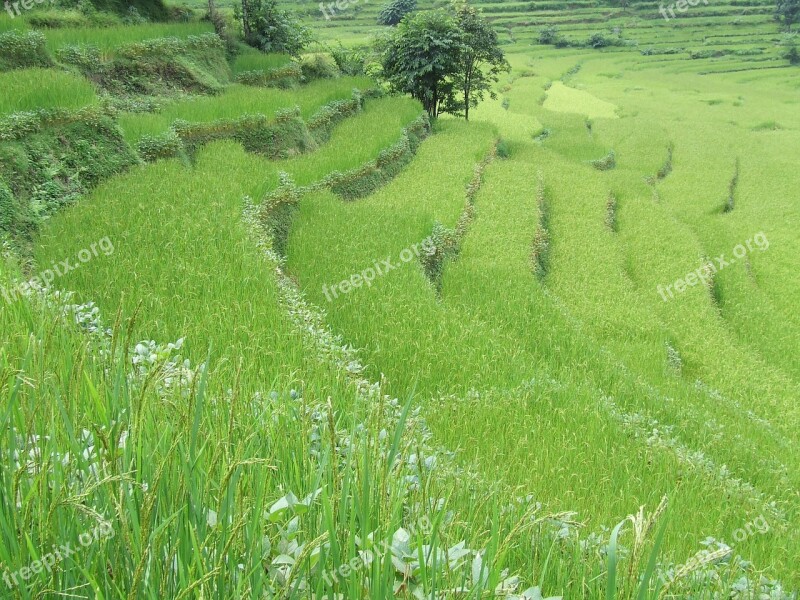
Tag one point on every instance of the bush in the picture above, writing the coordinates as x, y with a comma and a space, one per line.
607, 163
394, 11
270, 29
318, 66
548, 35
793, 56
598, 40
23, 50
350, 61
503, 150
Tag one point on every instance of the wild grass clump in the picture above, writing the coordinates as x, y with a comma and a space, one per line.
607, 163
733, 186
318, 66
611, 212
540, 251
277, 211
666, 168
503, 149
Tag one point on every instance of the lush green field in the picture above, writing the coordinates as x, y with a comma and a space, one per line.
615, 326
240, 100
109, 38
29, 89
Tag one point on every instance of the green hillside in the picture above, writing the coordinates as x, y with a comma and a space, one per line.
268, 330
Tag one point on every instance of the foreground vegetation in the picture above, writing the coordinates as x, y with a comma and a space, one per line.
309, 343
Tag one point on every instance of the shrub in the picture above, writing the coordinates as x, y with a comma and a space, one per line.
548, 35
793, 56
607, 163
598, 40
350, 61
167, 145
318, 66
503, 149
270, 29
21, 50
394, 11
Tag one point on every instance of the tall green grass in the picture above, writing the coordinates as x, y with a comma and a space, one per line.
31, 89
251, 59
109, 38
238, 100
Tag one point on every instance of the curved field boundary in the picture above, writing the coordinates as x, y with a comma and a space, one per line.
279, 206
284, 136
447, 242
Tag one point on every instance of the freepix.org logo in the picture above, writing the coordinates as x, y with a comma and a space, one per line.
13, 8
49, 561
57, 269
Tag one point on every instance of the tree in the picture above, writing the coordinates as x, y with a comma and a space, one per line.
270, 29
422, 57
394, 11
788, 12
481, 60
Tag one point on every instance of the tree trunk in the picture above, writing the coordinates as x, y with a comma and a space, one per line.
246, 19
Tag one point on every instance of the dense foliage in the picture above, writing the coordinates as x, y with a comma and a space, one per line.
394, 11
788, 12
271, 29
448, 60
481, 60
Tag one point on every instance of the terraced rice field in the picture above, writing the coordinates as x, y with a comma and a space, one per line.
402, 362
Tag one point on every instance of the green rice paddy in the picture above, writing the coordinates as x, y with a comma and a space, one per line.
616, 328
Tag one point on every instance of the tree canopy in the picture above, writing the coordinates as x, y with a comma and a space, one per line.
271, 29
447, 59
394, 11
788, 12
